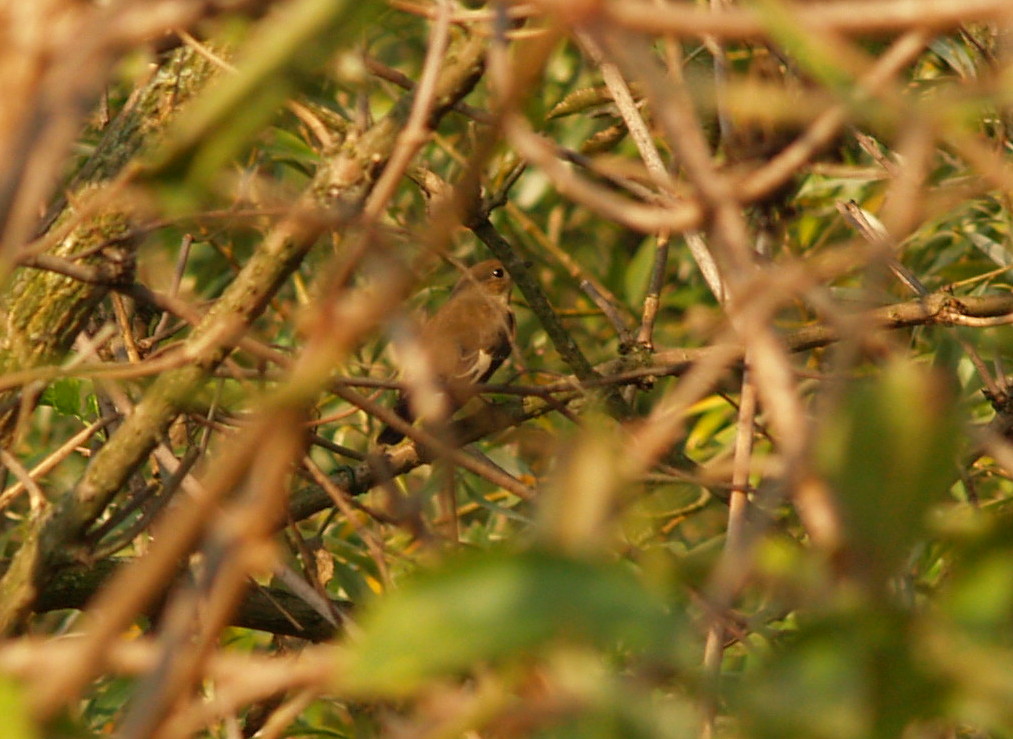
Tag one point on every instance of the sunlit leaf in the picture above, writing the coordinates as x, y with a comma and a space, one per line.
14, 709
64, 395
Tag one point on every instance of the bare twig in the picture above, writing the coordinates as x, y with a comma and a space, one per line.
841, 16
48, 464
732, 568
652, 301
609, 310
413, 135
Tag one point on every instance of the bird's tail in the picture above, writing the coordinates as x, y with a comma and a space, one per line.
389, 435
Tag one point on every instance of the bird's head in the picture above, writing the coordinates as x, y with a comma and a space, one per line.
490, 277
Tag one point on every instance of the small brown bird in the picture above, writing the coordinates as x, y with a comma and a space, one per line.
466, 340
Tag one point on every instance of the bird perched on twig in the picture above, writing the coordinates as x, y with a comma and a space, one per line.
464, 342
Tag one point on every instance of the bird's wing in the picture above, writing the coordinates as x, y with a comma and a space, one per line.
469, 341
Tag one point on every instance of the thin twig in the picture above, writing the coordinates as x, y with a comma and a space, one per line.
53, 459
403, 81
177, 280
609, 310
731, 570
37, 499
438, 446
652, 301
344, 505
414, 133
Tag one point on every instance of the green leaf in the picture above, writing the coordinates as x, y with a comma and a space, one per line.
889, 452
981, 598
956, 55
588, 100
991, 248
493, 606
811, 51
223, 119
14, 709
64, 395
638, 271
284, 147
854, 674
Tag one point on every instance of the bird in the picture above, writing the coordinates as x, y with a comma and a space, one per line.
465, 341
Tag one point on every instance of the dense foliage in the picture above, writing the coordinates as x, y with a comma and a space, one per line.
746, 472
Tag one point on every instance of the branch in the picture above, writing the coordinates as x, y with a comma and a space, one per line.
845, 16
264, 608
936, 309
335, 194
539, 304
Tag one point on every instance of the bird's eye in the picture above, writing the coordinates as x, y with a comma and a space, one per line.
498, 272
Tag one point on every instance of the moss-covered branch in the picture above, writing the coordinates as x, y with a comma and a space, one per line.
42, 311
334, 196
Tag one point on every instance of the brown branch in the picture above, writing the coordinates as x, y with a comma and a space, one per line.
652, 301
361, 478
539, 304
432, 445
264, 608
341, 184
843, 16
874, 82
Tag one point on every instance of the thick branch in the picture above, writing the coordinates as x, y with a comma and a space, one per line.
336, 192
265, 608
42, 311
